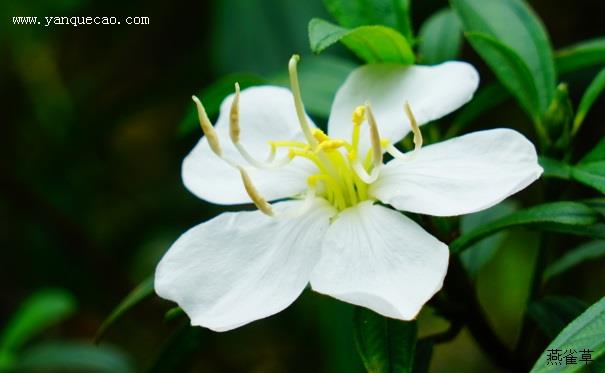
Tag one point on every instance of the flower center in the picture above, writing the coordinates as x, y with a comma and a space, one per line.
343, 175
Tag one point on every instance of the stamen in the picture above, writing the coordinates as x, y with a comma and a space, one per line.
207, 128
414, 125
375, 137
320, 135
234, 134
300, 109
255, 196
329, 145
234, 130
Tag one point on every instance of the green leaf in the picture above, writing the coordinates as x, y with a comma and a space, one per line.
554, 168
320, 77
142, 291
591, 169
592, 93
584, 54
354, 13
372, 44
384, 344
556, 216
40, 311
510, 70
73, 357
512, 23
481, 252
597, 204
486, 98
591, 174
440, 37
213, 95
588, 251
585, 332
553, 313
422, 358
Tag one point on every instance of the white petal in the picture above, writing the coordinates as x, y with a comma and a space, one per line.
461, 175
432, 91
266, 113
377, 258
241, 267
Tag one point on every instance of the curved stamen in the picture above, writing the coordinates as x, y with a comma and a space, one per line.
257, 199
234, 134
414, 125
300, 109
207, 127
374, 137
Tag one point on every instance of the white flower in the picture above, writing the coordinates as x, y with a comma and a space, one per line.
244, 266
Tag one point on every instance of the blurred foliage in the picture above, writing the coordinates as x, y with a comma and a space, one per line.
97, 120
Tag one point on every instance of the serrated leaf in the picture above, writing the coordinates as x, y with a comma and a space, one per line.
440, 37
585, 332
355, 13
564, 217
514, 24
588, 251
142, 291
213, 95
592, 93
578, 56
511, 71
40, 311
478, 254
553, 313
555, 168
372, 44
73, 357
384, 344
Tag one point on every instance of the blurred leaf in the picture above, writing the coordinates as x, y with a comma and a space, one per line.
173, 313
554, 168
584, 54
598, 204
320, 77
142, 291
513, 24
585, 332
385, 345
486, 98
175, 354
582, 253
440, 37
480, 253
552, 313
213, 95
372, 44
592, 93
73, 357
510, 70
591, 169
422, 358
596, 154
354, 13
40, 311
556, 216
558, 118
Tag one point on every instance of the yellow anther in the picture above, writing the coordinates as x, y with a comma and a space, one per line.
234, 129
207, 128
359, 115
320, 135
374, 137
329, 145
352, 155
255, 196
414, 125
385, 142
